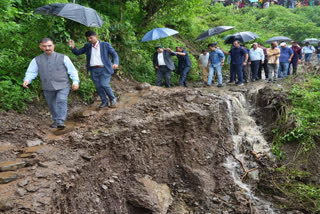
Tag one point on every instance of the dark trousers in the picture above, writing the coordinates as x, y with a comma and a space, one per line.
236, 69
183, 76
255, 68
265, 68
163, 73
294, 64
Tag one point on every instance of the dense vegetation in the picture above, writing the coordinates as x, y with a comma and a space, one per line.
125, 24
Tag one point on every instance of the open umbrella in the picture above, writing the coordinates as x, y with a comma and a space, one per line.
84, 15
158, 33
278, 39
241, 37
213, 31
311, 41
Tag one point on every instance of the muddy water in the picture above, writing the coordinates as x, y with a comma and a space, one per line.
249, 133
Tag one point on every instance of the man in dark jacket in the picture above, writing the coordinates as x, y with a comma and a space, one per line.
163, 64
184, 65
100, 66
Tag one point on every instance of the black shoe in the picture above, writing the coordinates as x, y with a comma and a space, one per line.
103, 105
220, 85
61, 126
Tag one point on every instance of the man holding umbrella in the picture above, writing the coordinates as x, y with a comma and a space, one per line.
239, 58
163, 64
100, 66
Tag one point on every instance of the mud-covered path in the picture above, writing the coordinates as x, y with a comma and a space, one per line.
159, 151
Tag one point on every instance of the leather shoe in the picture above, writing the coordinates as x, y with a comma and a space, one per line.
103, 105
60, 125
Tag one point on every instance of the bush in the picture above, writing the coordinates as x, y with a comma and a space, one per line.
13, 96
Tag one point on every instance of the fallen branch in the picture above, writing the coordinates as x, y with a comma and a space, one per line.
246, 171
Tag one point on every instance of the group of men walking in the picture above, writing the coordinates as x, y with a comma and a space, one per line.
247, 64
164, 65
54, 68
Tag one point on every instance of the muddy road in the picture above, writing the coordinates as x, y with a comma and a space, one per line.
175, 151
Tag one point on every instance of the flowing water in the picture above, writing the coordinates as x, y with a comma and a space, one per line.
249, 135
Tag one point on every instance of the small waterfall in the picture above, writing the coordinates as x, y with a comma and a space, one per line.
249, 133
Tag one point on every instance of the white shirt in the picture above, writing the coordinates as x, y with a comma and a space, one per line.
204, 59
161, 59
95, 55
256, 54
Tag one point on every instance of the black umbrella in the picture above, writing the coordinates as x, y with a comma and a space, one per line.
213, 31
84, 15
278, 39
241, 37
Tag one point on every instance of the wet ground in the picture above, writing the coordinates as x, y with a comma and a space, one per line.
159, 151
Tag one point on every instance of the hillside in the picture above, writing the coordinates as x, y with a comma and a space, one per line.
250, 149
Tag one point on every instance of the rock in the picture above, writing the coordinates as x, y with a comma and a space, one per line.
11, 165
190, 98
35, 142
5, 205
21, 192
7, 177
28, 155
143, 86
86, 157
104, 187
179, 207
32, 188
88, 113
43, 165
152, 196
23, 183
35, 149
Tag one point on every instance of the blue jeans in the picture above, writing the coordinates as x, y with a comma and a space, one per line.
236, 69
163, 73
283, 69
58, 104
101, 80
307, 57
212, 69
183, 76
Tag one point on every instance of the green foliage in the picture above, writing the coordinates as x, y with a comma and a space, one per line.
86, 89
303, 115
13, 96
125, 23
301, 195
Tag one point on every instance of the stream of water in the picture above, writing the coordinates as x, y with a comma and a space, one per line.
249, 133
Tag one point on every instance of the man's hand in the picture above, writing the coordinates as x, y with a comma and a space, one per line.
157, 67
168, 49
262, 62
244, 64
299, 61
249, 63
25, 84
71, 43
222, 63
115, 66
75, 87
289, 60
